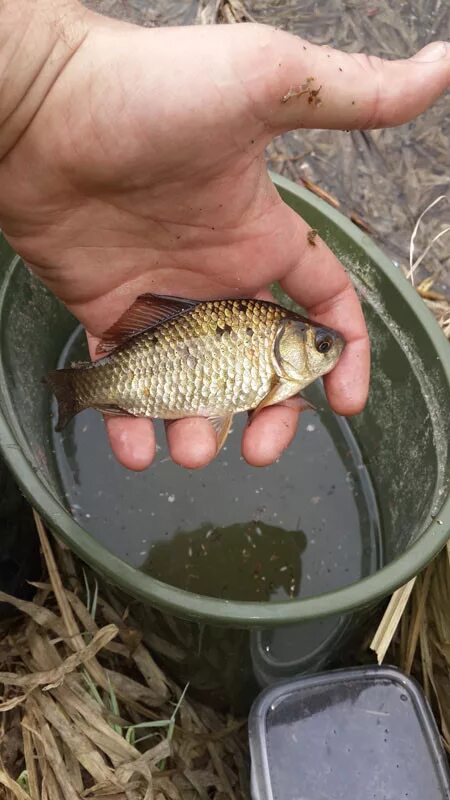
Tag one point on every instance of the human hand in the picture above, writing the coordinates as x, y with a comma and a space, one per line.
143, 170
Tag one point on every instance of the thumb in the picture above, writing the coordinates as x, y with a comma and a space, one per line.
294, 84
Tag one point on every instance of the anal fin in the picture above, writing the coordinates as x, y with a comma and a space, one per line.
221, 425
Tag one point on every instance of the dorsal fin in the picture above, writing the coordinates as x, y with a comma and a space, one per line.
147, 310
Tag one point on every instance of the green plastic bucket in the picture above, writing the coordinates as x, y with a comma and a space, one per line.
403, 434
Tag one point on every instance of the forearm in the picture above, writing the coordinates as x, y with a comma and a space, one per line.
37, 40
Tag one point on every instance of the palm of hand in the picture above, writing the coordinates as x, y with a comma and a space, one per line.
135, 188
153, 179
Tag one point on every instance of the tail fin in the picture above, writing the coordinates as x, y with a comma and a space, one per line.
62, 384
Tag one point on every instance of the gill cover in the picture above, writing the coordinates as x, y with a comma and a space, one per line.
289, 353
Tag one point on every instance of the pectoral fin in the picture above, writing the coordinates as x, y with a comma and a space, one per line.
300, 403
221, 425
281, 390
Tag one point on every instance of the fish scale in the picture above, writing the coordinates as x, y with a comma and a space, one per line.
193, 364
222, 375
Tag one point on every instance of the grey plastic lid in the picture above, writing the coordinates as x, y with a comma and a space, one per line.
357, 734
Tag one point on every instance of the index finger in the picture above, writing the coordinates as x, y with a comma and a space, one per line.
320, 284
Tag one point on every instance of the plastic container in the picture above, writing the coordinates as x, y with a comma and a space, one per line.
358, 734
403, 435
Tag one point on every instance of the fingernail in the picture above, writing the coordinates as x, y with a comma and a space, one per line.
432, 52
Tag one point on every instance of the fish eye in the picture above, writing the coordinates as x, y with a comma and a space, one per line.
323, 343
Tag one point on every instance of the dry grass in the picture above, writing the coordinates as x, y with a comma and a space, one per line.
415, 635
87, 713
211, 12
437, 302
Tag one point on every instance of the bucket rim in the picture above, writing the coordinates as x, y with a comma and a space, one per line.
244, 614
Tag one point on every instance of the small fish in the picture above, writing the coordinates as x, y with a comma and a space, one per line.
168, 358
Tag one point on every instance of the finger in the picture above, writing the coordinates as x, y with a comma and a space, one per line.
269, 433
132, 440
320, 284
294, 84
192, 442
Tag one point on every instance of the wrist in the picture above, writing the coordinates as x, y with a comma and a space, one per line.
37, 39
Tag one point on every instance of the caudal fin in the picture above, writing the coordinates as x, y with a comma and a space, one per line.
62, 384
